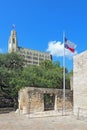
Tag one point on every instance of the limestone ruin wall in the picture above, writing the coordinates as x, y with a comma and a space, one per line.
80, 82
31, 99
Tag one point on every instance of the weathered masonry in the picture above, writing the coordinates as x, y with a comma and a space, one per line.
33, 99
80, 83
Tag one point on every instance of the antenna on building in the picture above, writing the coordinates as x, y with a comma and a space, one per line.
13, 26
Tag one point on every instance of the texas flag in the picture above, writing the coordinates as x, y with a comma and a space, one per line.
69, 45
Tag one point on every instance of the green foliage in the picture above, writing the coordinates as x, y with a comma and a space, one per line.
11, 66
14, 76
48, 75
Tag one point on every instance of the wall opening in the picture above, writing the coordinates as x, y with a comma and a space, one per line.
49, 102
13, 40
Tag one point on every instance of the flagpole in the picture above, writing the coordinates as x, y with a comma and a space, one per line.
64, 102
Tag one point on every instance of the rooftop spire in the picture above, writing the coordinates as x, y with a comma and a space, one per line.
13, 26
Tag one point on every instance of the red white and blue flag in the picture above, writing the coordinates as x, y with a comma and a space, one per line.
69, 45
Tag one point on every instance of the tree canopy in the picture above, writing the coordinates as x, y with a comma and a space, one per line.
14, 75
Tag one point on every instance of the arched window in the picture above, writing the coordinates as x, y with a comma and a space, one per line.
13, 40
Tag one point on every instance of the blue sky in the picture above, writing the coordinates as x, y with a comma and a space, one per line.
39, 22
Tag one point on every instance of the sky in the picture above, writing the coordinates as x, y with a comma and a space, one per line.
40, 25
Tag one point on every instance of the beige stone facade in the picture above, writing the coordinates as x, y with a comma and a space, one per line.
31, 56
32, 99
80, 82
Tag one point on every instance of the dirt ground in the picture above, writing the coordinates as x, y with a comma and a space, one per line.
15, 121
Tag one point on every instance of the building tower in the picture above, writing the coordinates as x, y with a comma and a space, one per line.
32, 57
12, 43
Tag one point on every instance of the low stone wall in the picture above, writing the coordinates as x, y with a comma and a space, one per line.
31, 99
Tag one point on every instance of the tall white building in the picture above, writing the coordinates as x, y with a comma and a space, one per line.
30, 56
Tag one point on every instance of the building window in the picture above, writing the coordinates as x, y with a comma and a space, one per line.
35, 58
13, 40
29, 57
35, 63
41, 58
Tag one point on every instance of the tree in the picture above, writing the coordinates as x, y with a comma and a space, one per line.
48, 74
11, 66
14, 75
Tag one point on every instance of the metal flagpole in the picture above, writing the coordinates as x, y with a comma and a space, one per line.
64, 102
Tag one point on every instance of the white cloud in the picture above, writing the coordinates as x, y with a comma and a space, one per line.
56, 48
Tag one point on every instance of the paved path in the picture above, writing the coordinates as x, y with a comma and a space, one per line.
13, 121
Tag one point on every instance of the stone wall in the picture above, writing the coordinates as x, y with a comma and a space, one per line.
31, 99
80, 82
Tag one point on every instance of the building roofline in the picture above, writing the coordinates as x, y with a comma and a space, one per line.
34, 50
